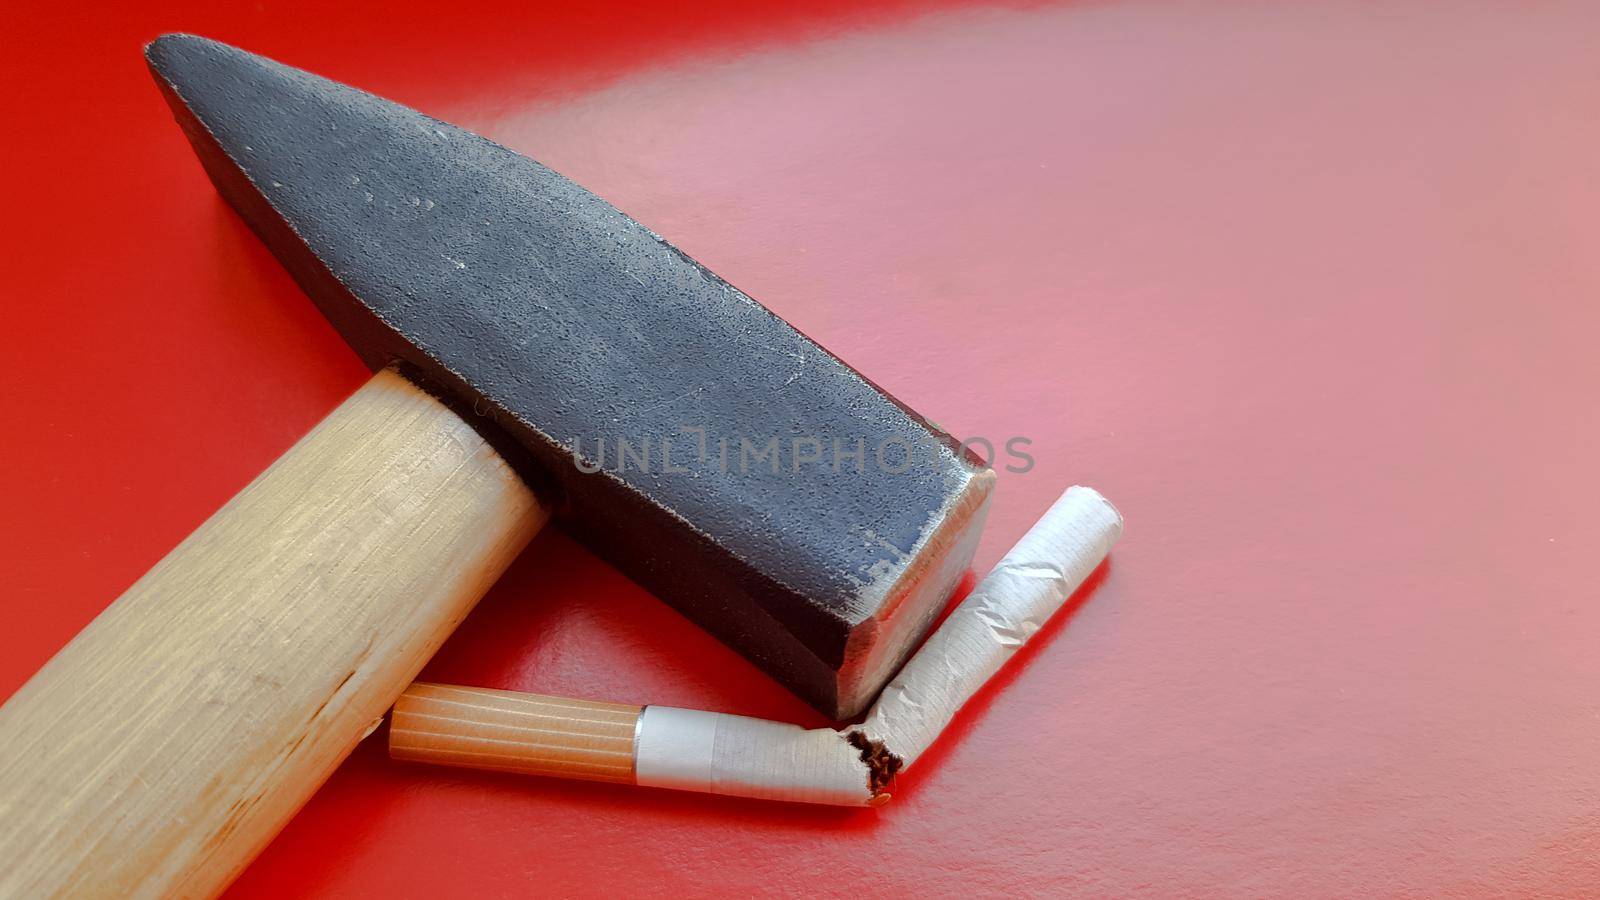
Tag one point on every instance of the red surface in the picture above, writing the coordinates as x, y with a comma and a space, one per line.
1308, 290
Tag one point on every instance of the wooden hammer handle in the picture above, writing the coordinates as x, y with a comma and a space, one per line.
163, 747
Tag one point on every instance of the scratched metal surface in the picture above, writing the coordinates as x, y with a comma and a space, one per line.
1306, 289
566, 328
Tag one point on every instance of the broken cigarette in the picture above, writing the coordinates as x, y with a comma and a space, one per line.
661, 746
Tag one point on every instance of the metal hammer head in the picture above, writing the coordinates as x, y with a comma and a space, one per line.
685, 433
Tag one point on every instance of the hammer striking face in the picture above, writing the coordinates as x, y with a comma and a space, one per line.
681, 430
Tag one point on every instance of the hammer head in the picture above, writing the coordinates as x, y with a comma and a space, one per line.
681, 430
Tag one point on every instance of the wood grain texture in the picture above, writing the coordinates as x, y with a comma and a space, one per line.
163, 747
507, 731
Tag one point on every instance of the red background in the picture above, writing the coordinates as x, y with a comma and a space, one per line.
1308, 290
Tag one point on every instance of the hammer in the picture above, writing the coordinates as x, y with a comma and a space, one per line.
537, 353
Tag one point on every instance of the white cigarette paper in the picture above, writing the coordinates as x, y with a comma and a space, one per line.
725, 754
717, 753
